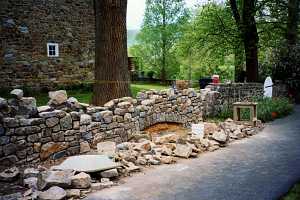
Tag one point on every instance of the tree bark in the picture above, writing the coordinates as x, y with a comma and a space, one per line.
292, 22
163, 67
238, 64
248, 31
250, 40
112, 78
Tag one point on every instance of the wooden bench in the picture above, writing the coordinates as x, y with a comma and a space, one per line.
237, 111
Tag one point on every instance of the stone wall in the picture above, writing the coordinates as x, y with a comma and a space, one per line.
235, 92
66, 127
25, 29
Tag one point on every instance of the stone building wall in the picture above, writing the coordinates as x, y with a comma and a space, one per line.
67, 127
25, 29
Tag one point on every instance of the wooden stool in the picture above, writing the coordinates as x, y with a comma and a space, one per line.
237, 111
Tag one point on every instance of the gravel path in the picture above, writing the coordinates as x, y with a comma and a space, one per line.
262, 167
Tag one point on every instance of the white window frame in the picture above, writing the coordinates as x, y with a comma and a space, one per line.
56, 50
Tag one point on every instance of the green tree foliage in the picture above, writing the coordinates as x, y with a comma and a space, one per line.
161, 29
210, 43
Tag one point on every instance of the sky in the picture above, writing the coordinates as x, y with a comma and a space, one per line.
136, 9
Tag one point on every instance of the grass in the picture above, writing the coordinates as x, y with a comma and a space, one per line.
85, 96
293, 194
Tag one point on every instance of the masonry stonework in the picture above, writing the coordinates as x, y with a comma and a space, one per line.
30, 134
26, 28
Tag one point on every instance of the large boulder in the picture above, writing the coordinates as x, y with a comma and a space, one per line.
57, 97
81, 181
61, 178
183, 151
53, 193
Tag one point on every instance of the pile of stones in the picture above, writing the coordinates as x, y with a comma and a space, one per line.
142, 151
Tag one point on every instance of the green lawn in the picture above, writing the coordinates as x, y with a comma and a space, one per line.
86, 96
294, 193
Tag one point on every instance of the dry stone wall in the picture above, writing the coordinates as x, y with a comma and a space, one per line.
235, 92
30, 134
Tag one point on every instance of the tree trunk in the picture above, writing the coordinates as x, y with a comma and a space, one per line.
292, 22
111, 61
250, 40
248, 32
238, 64
163, 67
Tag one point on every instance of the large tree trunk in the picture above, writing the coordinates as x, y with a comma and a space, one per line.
164, 42
250, 40
111, 62
239, 64
248, 31
292, 22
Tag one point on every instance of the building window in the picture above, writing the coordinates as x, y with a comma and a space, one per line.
52, 49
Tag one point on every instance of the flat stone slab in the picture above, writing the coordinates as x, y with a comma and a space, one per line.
88, 163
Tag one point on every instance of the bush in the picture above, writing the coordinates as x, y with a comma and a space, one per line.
268, 109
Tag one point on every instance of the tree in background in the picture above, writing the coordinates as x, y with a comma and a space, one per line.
161, 29
111, 61
246, 23
209, 42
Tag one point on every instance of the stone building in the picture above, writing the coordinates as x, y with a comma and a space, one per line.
46, 43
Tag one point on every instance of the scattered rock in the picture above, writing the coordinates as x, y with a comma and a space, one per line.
61, 178
220, 136
166, 151
30, 172
58, 97
10, 174
167, 160
30, 182
107, 148
166, 138
210, 128
17, 93
81, 181
73, 193
183, 151
85, 147
109, 173
53, 193
143, 146
102, 185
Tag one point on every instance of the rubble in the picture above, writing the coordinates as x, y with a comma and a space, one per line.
10, 174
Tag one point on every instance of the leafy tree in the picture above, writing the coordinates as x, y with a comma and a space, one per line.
209, 42
111, 63
160, 31
246, 23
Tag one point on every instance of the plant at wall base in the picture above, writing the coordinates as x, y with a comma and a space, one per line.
268, 109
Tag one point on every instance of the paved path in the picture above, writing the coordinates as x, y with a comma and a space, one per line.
262, 167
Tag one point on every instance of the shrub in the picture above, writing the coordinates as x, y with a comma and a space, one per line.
268, 109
